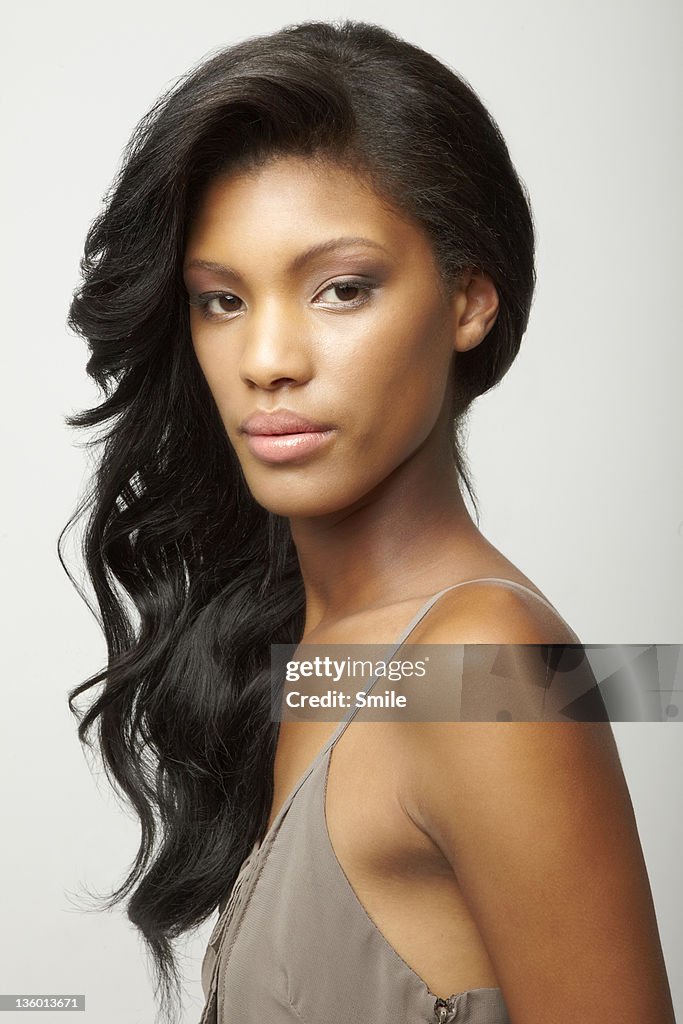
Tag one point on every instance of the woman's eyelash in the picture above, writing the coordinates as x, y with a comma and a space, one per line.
365, 287
201, 302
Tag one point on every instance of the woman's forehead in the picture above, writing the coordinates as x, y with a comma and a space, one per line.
291, 205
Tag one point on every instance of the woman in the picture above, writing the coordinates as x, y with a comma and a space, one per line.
316, 255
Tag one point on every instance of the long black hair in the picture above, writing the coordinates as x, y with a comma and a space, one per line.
193, 579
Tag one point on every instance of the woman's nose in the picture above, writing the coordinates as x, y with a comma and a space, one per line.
276, 350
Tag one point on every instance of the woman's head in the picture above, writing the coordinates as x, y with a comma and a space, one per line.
262, 153
353, 96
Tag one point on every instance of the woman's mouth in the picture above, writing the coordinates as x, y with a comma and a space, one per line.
281, 435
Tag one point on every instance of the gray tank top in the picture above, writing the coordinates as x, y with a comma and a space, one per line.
294, 944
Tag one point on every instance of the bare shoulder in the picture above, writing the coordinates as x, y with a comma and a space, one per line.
493, 613
536, 821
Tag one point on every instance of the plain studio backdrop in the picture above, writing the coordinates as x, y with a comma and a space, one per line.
576, 455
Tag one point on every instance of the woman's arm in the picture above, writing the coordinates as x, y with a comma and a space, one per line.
537, 822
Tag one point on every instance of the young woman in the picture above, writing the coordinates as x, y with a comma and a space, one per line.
316, 255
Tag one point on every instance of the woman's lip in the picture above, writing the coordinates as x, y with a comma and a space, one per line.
286, 447
281, 421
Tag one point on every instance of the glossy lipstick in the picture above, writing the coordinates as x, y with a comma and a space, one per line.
283, 435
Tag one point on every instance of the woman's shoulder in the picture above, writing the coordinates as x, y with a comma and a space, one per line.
494, 610
532, 817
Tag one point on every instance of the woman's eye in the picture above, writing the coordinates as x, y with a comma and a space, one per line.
222, 306
345, 293
219, 306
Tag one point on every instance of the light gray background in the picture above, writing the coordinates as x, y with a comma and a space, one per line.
576, 456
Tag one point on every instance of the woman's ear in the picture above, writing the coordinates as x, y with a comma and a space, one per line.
475, 309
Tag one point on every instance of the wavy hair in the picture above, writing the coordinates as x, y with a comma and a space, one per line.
193, 579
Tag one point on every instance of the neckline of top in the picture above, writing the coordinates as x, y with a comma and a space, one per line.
405, 633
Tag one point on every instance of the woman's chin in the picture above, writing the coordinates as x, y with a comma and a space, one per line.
301, 506
304, 498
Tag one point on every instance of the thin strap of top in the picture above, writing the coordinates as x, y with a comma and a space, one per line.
419, 615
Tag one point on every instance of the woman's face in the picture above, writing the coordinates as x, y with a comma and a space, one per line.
310, 294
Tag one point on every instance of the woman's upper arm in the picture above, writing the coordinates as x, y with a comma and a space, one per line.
537, 822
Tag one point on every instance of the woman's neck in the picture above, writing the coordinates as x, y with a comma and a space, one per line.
399, 540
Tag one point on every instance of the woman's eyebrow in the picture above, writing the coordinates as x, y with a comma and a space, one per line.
344, 242
314, 251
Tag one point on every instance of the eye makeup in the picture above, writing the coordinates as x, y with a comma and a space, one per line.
345, 293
